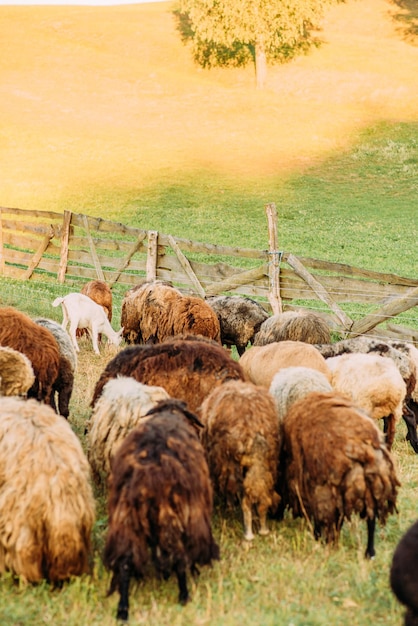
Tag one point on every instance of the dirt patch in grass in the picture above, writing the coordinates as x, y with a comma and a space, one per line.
99, 96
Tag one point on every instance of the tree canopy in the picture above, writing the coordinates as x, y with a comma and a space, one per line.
235, 32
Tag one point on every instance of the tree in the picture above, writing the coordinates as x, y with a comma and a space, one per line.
234, 32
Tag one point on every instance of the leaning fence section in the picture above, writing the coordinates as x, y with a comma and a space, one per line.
71, 248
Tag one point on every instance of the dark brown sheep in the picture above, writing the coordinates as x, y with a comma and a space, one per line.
20, 332
160, 503
334, 464
155, 311
403, 574
188, 369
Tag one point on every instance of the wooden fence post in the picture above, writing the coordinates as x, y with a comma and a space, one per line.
152, 255
65, 241
274, 262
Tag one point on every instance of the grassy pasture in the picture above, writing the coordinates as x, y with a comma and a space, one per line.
103, 112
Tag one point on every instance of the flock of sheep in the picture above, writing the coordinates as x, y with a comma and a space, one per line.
176, 422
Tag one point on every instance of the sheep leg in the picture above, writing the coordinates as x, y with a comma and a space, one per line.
73, 328
411, 424
94, 336
124, 579
371, 525
389, 429
262, 514
248, 519
182, 582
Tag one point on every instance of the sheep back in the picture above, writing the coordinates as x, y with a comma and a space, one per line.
241, 438
122, 404
335, 464
20, 332
46, 501
16, 373
304, 326
100, 292
294, 383
188, 369
261, 363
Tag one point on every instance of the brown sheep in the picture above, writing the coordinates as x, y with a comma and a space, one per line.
240, 319
335, 464
16, 373
160, 503
261, 363
155, 311
188, 369
241, 438
304, 326
46, 502
20, 332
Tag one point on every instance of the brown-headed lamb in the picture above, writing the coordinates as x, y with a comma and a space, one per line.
47, 507
335, 464
16, 373
304, 326
240, 319
155, 311
261, 363
403, 574
64, 383
241, 438
121, 406
373, 383
20, 332
160, 503
188, 369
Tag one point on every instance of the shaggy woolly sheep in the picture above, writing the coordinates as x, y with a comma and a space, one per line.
261, 363
188, 369
293, 326
160, 503
240, 319
64, 383
16, 373
155, 311
403, 574
20, 332
122, 404
241, 438
335, 464
46, 501
373, 383
294, 383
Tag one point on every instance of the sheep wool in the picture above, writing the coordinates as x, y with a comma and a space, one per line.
403, 579
335, 464
160, 503
122, 404
16, 373
241, 438
294, 383
304, 326
46, 503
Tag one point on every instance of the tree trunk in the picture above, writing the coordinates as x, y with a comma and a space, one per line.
260, 63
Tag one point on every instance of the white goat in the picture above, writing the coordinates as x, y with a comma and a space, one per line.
82, 312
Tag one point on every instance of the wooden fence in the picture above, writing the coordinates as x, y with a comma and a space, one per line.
70, 248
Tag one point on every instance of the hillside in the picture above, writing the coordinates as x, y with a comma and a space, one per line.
97, 96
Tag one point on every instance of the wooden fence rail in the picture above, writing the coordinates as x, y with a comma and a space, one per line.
70, 248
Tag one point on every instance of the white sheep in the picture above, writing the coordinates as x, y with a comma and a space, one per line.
82, 312
294, 383
122, 404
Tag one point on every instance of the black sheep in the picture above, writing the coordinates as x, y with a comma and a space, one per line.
160, 502
403, 574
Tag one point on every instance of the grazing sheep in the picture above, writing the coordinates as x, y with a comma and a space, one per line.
403, 574
261, 363
64, 383
20, 332
155, 311
241, 438
294, 383
16, 373
240, 319
188, 369
46, 501
123, 403
100, 292
160, 502
404, 358
82, 312
304, 326
335, 464
373, 383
